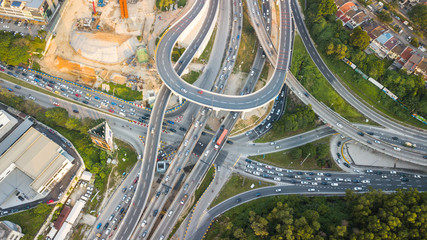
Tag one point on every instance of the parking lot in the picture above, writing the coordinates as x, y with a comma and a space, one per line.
20, 27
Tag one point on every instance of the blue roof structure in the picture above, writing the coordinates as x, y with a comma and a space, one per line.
16, 4
384, 38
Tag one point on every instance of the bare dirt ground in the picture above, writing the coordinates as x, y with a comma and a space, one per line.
143, 21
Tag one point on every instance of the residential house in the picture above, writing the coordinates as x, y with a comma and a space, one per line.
411, 65
349, 14
403, 58
396, 51
378, 45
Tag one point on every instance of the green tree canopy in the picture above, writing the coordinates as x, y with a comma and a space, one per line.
359, 38
418, 15
326, 7
415, 42
385, 16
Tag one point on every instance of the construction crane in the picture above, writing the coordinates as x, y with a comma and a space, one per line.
124, 8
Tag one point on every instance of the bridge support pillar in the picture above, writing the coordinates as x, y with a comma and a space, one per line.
180, 99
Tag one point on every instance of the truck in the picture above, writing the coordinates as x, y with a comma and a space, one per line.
221, 138
409, 144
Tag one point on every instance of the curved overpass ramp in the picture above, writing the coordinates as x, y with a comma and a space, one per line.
215, 100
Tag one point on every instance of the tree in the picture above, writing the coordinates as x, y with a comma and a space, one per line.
239, 233
384, 16
296, 153
326, 7
418, 15
415, 42
58, 116
341, 51
359, 38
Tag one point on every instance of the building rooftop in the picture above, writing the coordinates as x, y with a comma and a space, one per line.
391, 43
398, 49
412, 62
33, 3
35, 155
347, 6
62, 216
406, 54
384, 38
376, 32
15, 135
339, 3
359, 18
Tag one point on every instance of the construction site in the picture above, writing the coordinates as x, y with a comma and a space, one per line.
100, 41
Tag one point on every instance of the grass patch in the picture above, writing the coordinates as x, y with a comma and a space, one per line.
191, 77
205, 184
204, 57
126, 152
247, 47
30, 220
298, 118
177, 53
235, 185
123, 92
319, 159
310, 77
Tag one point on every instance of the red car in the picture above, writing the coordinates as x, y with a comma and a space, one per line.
111, 110
2, 69
50, 201
200, 92
78, 95
56, 104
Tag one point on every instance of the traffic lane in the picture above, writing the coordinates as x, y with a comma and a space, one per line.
365, 110
334, 120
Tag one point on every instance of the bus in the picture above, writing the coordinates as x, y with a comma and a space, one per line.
221, 138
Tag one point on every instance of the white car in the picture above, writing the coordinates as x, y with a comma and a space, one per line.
144, 222
334, 184
167, 178
32, 98
170, 213
257, 173
339, 125
319, 174
314, 183
397, 149
417, 176
311, 190
278, 190
366, 181
277, 179
357, 188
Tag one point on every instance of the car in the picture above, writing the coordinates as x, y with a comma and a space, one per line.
144, 222
346, 164
304, 182
32, 98
369, 171
311, 190
56, 104
357, 188
334, 184
183, 90
396, 148
118, 207
114, 221
393, 172
206, 153
111, 217
158, 194
277, 179
257, 194
338, 155
170, 213
122, 210
183, 129
314, 183
395, 138
278, 190
167, 178
383, 176
98, 226
417, 176
187, 152
172, 130
162, 237
106, 225
124, 197
200, 92
185, 187
111, 110
155, 212
361, 134
77, 95
183, 199
366, 181
124, 189
339, 125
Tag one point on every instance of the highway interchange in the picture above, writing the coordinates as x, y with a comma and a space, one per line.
148, 214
